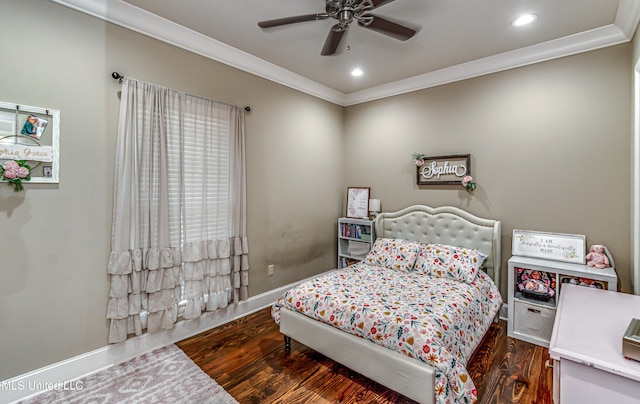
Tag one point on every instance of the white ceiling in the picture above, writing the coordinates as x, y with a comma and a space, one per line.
456, 39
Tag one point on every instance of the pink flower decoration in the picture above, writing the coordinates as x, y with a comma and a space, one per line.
11, 165
14, 172
468, 183
22, 172
10, 174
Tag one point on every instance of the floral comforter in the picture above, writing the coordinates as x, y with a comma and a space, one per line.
439, 321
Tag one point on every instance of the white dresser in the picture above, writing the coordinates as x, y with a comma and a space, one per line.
586, 347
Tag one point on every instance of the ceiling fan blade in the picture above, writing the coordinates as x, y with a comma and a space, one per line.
333, 40
292, 20
386, 27
378, 3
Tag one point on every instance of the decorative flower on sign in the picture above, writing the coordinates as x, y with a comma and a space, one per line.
418, 159
14, 172
469, 183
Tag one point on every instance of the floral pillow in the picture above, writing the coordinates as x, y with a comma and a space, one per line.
393, 254
457, 263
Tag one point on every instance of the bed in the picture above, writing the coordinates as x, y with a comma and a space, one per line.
374, 317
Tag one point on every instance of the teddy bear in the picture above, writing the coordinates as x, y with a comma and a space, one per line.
596, 257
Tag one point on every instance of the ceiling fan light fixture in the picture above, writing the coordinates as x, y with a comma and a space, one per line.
524, 19
357, 72
345, 12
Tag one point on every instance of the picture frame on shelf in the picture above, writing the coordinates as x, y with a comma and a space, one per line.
552, 246
358, 202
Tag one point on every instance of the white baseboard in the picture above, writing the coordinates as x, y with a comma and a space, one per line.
504, 312
57, 375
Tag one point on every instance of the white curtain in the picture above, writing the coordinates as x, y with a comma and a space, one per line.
179, 244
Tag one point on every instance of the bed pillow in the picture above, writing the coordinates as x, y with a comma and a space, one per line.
457, 263
393, 253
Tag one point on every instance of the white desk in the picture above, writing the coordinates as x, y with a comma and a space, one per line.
586, 346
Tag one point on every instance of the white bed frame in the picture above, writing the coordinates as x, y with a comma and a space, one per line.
408, 376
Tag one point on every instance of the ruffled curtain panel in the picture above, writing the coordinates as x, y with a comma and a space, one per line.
179, 244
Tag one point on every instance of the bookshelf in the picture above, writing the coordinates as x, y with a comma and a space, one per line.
355, 239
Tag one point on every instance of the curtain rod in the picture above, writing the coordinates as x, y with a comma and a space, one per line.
119, 77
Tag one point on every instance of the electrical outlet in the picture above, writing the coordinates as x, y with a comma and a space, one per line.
270, 269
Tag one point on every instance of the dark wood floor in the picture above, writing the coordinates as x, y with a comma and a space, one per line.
247, 358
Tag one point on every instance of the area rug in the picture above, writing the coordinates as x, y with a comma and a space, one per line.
165, 375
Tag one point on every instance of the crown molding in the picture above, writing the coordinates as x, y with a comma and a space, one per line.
138, 20
627, 17
141, 21
557, 48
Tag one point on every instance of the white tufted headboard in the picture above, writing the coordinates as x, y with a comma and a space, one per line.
445, 225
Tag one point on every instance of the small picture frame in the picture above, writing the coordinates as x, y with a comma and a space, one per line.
358, 202
34, 127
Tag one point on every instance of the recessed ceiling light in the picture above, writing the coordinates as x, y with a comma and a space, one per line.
357, 72
524, 20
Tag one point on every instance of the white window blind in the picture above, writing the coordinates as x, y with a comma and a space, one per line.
204, 180
198, 174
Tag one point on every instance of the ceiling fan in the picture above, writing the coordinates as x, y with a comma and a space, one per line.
346, 11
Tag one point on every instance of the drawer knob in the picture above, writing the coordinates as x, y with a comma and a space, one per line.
547, 364
533, 310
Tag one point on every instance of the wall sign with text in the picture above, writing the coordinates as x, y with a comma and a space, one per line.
553, 246
443, 170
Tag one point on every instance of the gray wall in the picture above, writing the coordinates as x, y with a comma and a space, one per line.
549, 145
54, 286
